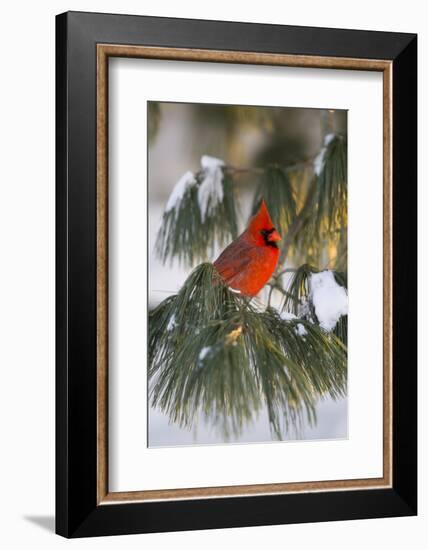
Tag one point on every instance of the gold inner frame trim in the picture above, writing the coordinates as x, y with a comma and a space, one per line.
104, 51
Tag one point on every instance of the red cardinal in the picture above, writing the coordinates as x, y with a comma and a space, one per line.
247, 264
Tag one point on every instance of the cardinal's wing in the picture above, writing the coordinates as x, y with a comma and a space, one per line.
233, 260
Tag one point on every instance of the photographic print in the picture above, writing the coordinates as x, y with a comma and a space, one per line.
248, 302
231, 211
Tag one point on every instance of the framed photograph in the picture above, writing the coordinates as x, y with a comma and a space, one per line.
236, 274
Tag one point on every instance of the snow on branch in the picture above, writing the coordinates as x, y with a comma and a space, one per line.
210, 191
183, 185
199, 213
320, 158
329, 299
319, 297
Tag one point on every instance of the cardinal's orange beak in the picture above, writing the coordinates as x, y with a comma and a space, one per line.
274, 236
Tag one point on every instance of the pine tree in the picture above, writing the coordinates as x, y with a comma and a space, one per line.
215, 352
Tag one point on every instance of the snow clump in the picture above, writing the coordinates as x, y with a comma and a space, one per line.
319, 159
186, 181
210, 191
204, 352
172, 323
330, 300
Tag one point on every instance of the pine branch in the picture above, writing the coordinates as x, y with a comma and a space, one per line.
324, 210
298, 222
298, 298
332, 186
190, 236
213, 352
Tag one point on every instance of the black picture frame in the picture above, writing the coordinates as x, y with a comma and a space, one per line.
77, 511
